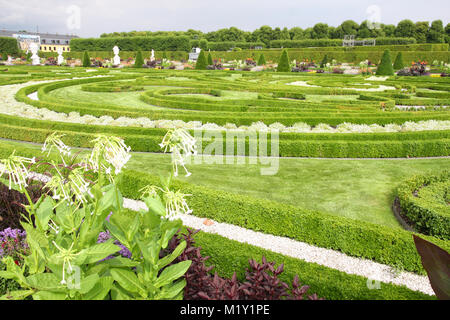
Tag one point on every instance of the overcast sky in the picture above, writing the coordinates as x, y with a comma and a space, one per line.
99, 16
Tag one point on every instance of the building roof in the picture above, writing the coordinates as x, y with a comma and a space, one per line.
46, 36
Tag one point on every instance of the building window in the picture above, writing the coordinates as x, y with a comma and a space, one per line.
64, 48
45, 48
53, 41
68, 49
54, 48
43, 40
57, 41
67, 41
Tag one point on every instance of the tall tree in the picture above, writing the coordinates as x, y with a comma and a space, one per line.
285, 35
349, 27
320, 31
436, 32
421, 31
405, 28
296, 33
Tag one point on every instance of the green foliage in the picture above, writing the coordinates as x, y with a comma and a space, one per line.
284, 63
139, 61
423, 200
201, 61
66, 261
398, 63
9, 46
168, 43
86, 60
324, 61
261, 60
210, 59
385, 67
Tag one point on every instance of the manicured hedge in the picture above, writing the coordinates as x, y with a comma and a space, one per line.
9, 46
334, 42
424, 202
228, 256
161, 43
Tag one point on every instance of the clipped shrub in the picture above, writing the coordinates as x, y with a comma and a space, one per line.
324, 61
283, 63
9, 46
261, 60
86, 60
398, 63
139, 60
210, 59
201, 61
385, 67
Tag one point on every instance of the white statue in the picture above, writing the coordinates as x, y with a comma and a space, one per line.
152, 58
9, 61
60, 56
116, 60
35, 60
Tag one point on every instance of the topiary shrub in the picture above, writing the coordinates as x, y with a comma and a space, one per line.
261, 60
385, 66
283, 64
398, 63
139, 60
86, 60
201, 61
210, 59
324, 61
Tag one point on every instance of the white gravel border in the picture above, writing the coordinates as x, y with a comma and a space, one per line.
326, 257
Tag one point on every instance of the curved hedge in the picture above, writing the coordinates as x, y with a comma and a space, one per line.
424, 200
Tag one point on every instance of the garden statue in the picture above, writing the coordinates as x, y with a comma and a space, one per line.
35, 60
9, 61
152, 58
60, 56
116, 60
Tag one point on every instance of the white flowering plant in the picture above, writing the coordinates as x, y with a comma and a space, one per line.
66, 259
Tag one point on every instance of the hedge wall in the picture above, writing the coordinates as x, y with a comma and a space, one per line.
333, 42
9, 45
131, 44
427, 213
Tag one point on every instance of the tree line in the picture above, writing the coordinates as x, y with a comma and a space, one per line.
422, 31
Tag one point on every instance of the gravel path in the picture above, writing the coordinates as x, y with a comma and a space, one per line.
303, 251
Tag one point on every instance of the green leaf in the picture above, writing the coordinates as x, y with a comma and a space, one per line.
100, 290
172, 291
118, 293
128, 280
17, 295
44, 281
120, 262
88, 283
169, 258
155, 206
172, 273
49, 295
117, 233
44, 212
36, 240
97, 252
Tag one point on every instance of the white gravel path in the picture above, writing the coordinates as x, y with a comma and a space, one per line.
303, 251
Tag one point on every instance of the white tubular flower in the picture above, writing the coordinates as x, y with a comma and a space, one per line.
14, 166
78, 186
66, 255
54, 141
182, 145
149, 191
109, 153
57, 185
176, 204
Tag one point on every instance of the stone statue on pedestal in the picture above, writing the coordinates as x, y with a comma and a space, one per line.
116, 60
60, 56
35, 60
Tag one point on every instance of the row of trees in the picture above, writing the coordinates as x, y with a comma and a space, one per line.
422, 31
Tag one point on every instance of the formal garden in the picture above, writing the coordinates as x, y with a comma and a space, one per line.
113, 181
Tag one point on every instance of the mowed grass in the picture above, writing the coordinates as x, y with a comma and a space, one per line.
357, 189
